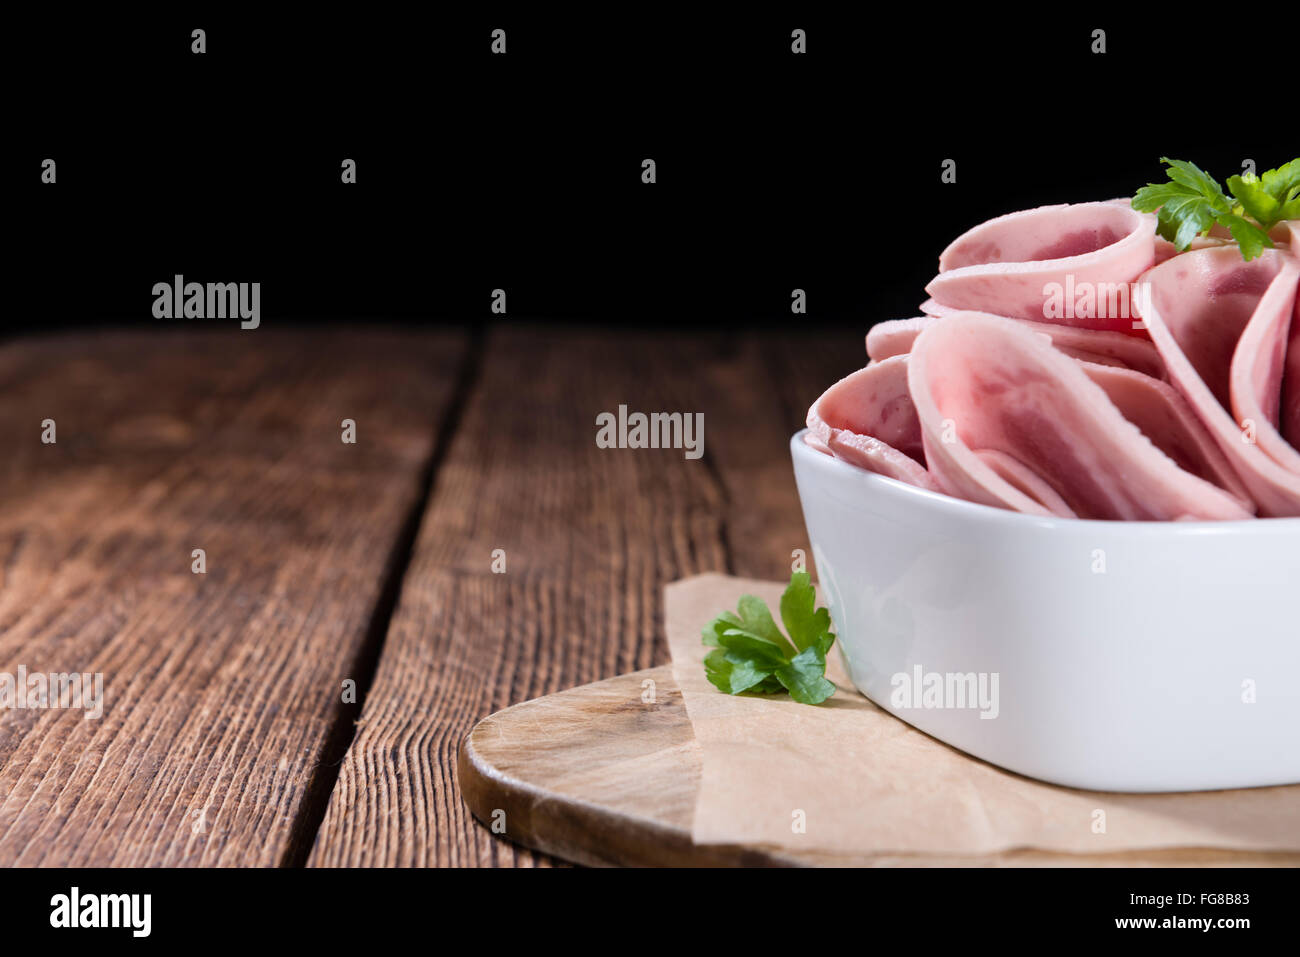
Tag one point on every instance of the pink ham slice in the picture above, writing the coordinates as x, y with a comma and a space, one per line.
1167, 250
1024, 479
1003, 266
1162, 415
868, 420
1201, 306
1265, 354
1290, 411
981, 384
895, 337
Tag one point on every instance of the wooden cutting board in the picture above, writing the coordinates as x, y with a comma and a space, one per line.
599, 776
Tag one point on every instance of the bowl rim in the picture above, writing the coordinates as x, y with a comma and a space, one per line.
962, 509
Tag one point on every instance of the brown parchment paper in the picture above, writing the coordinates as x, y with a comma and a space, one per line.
867, 782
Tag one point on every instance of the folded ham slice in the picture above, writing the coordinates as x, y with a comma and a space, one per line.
1290, 411
1167, 250
1289, 415
1164, 417
1224, 327
992, 397
868, 419
895, 337
1258, 367
982, 385
1026, 480
1004, 266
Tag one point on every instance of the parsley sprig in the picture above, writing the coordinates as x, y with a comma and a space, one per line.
751, 654
1192, 202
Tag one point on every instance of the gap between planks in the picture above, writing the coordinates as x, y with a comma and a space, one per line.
591, 535
321, 786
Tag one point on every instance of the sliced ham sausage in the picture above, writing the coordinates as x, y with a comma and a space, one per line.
1210, 313
992, 397
980, 384
868, 419
895, 337
1006, 265
1164, 417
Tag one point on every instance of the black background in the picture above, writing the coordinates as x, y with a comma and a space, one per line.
334, 910
523, 171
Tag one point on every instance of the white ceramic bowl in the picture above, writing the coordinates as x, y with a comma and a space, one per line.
1130, 656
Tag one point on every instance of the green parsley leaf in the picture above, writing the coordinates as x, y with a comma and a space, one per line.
1283, 184
1189, 205
732, 676
758, 622
750, 654
1194, 178
806, 626
713, 630
805, 677
1258, 202
1270, 198
1193, 202
1249, 237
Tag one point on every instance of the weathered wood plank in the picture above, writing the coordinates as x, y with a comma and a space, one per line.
590, 537
221, 689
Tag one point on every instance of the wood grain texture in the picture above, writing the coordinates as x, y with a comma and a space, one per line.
600, 776
591, 536
597, 775
222, 690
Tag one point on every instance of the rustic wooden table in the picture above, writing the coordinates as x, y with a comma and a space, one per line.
226, 738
